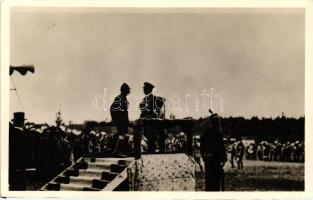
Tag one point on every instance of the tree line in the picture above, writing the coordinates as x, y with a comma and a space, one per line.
279, 127
254, 127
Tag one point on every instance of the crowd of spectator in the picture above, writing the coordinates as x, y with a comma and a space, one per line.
51, 149
176, 142
285, 151
47, 149
267, 150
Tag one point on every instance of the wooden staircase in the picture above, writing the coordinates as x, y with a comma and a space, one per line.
93, 174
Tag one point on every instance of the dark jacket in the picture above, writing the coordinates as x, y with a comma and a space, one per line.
212, 147
151, 106
119, 113
17, 148
240, 148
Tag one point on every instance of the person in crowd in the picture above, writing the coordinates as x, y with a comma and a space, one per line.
300, 151
213, 153
144, 144
78, 147
260, 151
250, 152
181, 142
265, 151
17, 148
119, 114
240, 149
231, 149
170, 143
197, 152
277, 149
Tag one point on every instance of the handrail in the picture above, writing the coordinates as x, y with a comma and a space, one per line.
118, 179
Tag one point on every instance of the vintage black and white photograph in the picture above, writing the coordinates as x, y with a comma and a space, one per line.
156, 99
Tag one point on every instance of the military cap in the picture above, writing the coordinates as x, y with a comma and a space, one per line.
125, 87
148, 85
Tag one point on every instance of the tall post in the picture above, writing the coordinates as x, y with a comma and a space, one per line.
137, 141
161, 132
188, 130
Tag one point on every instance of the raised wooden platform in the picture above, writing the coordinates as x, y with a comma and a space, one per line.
152, 172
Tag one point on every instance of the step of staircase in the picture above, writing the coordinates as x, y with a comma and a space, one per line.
97, 174
102, 160
72, 187
81, 180
99, 166
90, 174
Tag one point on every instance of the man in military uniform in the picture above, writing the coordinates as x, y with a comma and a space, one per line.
150, 107
213, 153
119, 114
17, 149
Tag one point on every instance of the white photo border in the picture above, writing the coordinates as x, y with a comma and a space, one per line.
6, 5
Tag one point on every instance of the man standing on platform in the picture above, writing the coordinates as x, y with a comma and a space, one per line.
119, 114
150, 107
213, 153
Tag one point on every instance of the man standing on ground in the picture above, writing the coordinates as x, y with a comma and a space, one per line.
240, 149
213, 153
232, 151
17, 149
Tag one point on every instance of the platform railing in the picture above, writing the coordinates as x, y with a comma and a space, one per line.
159, 126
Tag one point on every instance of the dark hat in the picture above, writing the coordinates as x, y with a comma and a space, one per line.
18, 117
148, 85
125, 87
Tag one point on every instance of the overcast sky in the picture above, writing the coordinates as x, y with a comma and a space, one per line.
253, 58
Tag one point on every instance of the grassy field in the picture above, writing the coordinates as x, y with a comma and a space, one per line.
261, 176
256, 176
